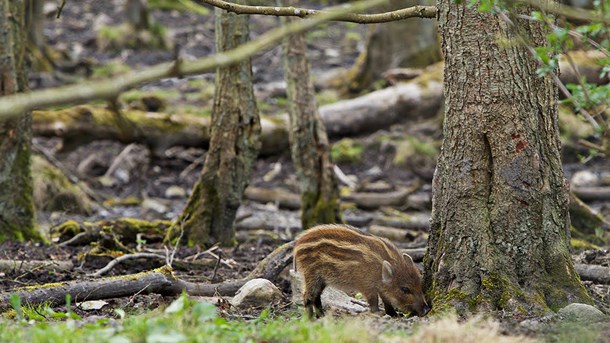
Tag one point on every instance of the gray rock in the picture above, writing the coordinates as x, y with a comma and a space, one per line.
331, 297
582, 313
256, 293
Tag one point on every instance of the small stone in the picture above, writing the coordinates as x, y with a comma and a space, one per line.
175, 192
331, 297
582, 313
256, 293
92, 305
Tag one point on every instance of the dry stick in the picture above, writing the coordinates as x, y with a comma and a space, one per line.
126, 257
198, 161
18, 104
160, 280
217, 265
157, 281
410, 12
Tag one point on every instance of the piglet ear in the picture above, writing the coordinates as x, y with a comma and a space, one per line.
386, 272
408, 258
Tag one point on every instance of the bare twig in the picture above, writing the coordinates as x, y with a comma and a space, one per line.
217, 265
170, 259
120, 259
60, 7
410, 12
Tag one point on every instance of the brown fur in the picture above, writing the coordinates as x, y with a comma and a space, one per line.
342, 257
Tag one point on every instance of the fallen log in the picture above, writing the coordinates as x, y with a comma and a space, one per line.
367, 200
395, 234
282, 197
82, 124
371, 200
416, 254
157, 281
592, 272
592, 193
160, 280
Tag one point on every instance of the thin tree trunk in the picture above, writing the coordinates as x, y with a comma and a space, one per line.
404, 43
16, 204
234, 144
308, 140
500, 227
136, 14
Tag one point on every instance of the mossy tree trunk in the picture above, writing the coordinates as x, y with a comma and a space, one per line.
308, 140
500, 226
137, 14
234, 144
16, 204
404, 43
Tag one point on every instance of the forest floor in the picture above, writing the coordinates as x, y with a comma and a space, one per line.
331, 46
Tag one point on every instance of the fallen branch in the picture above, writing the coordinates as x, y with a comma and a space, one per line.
79, 125
375, 200
122, 258
416, 254
401, 14
395, 234
592, 193
160, 280
157, 281
283, 198
592, 272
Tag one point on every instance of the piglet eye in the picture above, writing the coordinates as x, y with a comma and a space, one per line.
405, 289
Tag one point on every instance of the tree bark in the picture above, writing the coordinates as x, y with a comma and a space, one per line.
308, 139
209, 215
500, 226
16, 204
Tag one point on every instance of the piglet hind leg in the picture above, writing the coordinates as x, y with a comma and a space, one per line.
312, 297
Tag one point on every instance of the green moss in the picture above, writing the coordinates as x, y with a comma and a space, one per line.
580, 245
409, 148
347, 151
319, 210
498, 290
126, 36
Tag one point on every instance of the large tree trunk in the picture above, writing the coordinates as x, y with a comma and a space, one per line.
499, 231
234, 144
16, 204
308, 140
